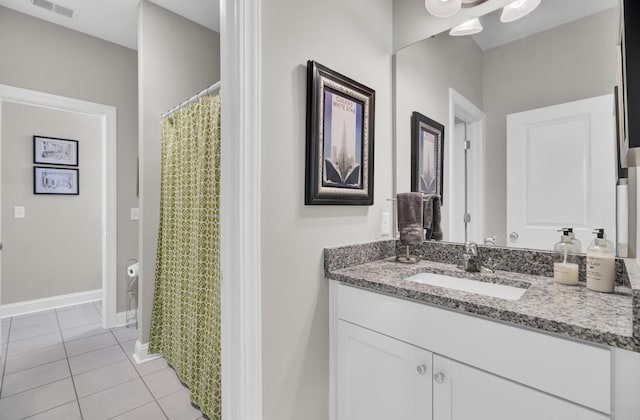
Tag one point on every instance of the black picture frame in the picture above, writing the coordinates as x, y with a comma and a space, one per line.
427, 143
56, 181
338, 172
55, 151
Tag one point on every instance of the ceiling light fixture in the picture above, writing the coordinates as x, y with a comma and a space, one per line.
443, 8
469, 27
518, 9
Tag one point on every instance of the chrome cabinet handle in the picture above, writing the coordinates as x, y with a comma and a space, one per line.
439, 377
514, 236
422, 369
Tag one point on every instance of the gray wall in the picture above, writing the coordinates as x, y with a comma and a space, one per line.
424, 73
56, 248
353, 38
571, 62
49, 58
177, 59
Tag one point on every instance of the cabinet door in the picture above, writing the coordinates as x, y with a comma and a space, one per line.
461, 392
380, 378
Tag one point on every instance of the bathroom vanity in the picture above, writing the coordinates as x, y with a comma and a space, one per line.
403, 349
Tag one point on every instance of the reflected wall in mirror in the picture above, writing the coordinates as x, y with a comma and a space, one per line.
535, 98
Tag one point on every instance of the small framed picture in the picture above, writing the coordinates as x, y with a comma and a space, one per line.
53, 151
61, 181
340, 125
427, 158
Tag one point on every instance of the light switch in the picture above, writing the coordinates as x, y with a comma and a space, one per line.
135, 213
385, 224
18, 212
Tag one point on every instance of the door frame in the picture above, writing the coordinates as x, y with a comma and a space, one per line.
107, 115
463, 109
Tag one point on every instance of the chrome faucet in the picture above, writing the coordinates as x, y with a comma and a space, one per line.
471, 257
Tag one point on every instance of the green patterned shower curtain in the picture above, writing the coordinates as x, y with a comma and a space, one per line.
185, 324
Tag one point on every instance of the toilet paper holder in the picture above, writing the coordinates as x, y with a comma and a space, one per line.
133, 269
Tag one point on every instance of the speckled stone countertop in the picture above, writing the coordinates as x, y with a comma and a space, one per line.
570, 311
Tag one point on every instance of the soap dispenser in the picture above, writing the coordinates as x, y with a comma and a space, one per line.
565, 265
601, 264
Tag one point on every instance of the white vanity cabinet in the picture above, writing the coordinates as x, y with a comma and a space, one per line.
396, 359
381, 378
461, 392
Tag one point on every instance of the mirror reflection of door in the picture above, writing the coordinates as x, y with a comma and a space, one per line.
561, 172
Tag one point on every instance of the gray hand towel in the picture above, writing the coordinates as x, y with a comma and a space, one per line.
436, 229
432, 217
427, 218
410, 217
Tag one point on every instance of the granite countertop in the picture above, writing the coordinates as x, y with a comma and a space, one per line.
570, 311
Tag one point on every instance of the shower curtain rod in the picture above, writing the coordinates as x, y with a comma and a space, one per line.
208, 91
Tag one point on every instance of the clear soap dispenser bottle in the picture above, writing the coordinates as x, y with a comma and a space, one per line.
601, 264
565, 265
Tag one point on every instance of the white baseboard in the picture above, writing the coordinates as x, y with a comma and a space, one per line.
142, 353
37, 305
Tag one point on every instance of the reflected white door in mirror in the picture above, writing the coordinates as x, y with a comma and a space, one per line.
561, 171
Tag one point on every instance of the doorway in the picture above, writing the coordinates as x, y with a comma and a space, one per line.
466, 122
107, 117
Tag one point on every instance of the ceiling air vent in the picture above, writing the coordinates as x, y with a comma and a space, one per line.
64, 11
43, 3
52, 7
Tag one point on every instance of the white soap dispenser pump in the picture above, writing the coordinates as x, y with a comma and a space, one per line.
565, 263
601, 264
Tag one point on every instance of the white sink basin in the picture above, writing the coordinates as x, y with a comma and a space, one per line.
471, 286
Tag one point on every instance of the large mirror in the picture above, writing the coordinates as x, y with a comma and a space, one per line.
535, 98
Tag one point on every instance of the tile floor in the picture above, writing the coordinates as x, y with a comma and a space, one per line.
61, 364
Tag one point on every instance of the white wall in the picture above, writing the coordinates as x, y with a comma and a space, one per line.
177, 58
353, 38
56, 248
529, 74
424, 73
41, 56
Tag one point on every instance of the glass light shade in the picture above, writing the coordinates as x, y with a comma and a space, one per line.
517, 10
443, 8
469, 27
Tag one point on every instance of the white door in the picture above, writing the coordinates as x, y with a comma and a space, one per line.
561, 173
380, 378
461, 392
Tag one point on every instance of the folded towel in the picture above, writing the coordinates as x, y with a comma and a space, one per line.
432, 217
410, 217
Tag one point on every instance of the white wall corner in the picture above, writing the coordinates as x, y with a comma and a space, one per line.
240, 23
141, 354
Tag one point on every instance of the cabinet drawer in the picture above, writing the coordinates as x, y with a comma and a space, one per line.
574, 371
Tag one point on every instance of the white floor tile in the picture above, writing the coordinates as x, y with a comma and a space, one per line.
33, 343
163, 382
88, 344
34, 358
69, 411
177, 406
48, 317
83, 306
32, 331
4, 334
34, 377
78, 321
36, 314
105, 377
125, 334
96, 359
149, 411
82, 331
37, 400
115, 401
